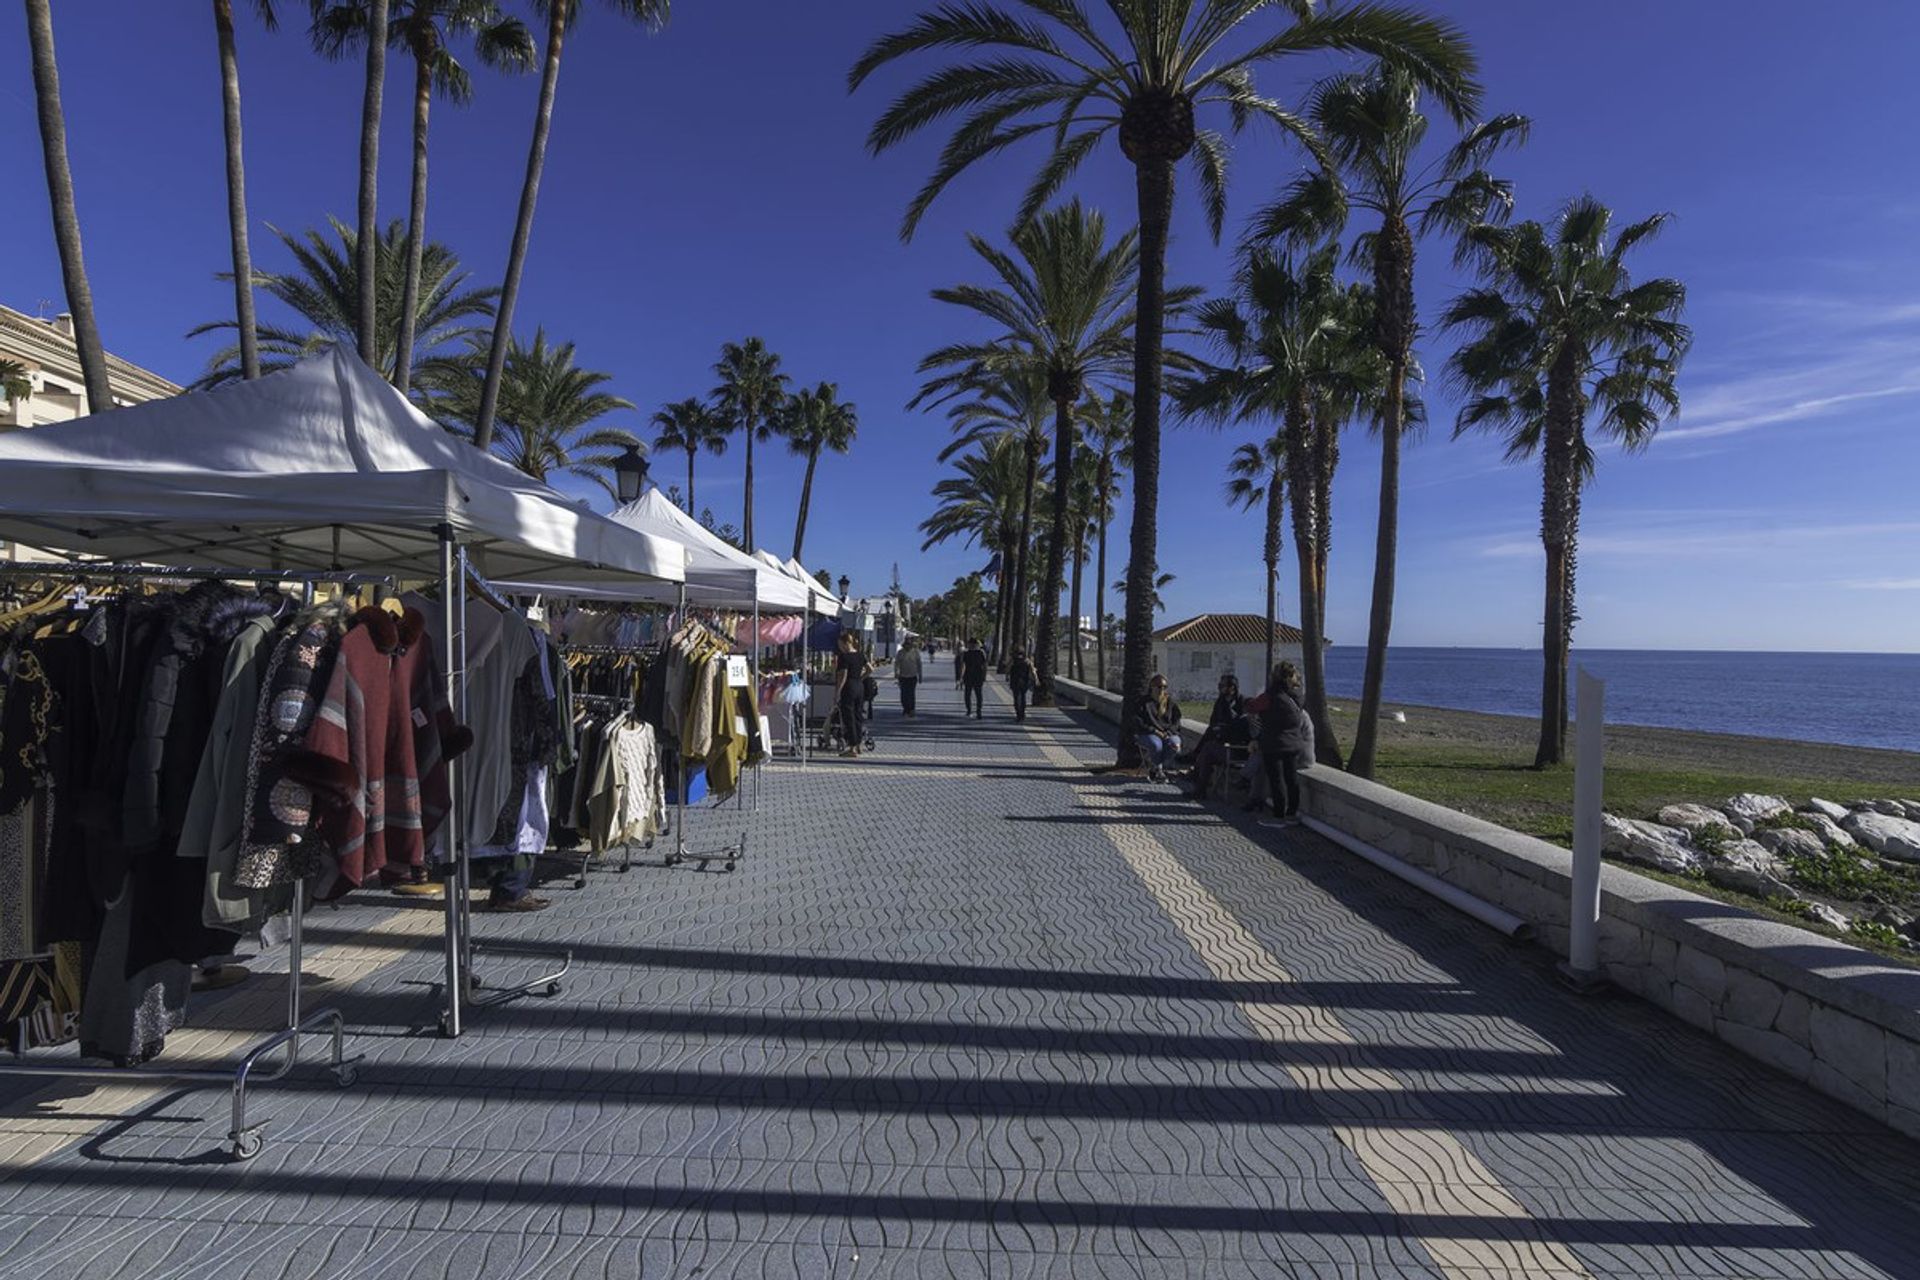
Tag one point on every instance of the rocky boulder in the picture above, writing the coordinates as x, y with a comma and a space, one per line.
1913, 809
1821, 913
1693, 817
1790, 843
1827, 808
1892, 808
1747, 810
1649, 844
1829, 830
1746, 867
1890, 837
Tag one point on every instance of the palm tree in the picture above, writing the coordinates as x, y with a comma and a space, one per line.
983, 505
1110, 424
560, 16
964, 602
1014, 403
66, 215
373, 27
1559, 332
1085, 507
1065, 309
426, 28
325, 292
1142, 78
1257, 477
750, 395
816, 420
548, 408
1299, 355
237, 177
1373, 128
690, 425
16, 383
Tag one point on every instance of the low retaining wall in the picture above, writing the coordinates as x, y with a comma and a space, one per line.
1824, 1012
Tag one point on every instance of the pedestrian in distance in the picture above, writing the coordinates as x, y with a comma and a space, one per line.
906, 669
1286, 741
1156, 727
973, 677
1021, 677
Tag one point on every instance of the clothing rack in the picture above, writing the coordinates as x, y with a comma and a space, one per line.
604, 702
247, 1140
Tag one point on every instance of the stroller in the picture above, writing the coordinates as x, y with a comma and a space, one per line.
824, 715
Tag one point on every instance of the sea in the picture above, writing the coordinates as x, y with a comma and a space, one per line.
1856, 699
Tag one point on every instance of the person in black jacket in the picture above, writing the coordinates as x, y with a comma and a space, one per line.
973, 677
1226, 725
1021, 678
1286, 740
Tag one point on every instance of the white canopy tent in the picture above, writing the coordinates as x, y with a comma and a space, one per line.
320, 467
719, 575
824, 601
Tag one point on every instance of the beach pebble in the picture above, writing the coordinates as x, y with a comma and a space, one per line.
1648, 843
1692, 817
1829, 830
1789, 843
1748, 868
1827, 808
1747, 809
1887, 836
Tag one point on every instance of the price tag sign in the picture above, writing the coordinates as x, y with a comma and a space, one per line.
737, 674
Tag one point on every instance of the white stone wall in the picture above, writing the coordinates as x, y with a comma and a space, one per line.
1193, 671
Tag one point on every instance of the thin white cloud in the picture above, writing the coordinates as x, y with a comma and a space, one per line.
1703, 540
1791, 411
1884, 584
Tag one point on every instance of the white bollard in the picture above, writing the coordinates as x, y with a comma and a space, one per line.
1589, 773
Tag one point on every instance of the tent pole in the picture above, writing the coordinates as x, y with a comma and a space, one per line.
680, 770
754, 701
455, 889
806, 675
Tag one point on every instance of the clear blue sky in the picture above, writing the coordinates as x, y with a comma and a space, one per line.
710, 183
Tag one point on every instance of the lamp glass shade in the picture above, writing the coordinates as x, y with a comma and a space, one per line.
630, 474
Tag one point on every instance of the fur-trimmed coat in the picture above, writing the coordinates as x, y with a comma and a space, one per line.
376, 754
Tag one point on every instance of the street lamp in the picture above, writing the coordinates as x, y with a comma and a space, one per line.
630, 474
845, 583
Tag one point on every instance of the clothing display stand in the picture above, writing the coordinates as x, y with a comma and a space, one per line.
247, 1140
464, 987
588, 859
728, 854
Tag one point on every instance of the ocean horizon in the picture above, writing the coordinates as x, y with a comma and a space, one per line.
1843, 699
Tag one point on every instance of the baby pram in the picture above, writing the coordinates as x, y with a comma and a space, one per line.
824, 718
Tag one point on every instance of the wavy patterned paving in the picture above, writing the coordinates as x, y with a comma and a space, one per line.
970, 1010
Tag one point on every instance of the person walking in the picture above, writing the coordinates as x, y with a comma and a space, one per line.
849, 690
1156, 727
906, 669
1021, 677
973, 678
1286, 741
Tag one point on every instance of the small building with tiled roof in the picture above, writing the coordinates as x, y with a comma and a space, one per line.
1194, 654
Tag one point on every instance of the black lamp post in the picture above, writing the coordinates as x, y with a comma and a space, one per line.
845, 582
630, 474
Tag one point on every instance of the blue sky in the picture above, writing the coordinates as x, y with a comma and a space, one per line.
710, 182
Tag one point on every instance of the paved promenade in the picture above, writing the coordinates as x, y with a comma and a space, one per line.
968, 1010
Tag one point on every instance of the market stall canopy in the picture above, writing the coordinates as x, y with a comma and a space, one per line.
320, 467
824, 601
719, 575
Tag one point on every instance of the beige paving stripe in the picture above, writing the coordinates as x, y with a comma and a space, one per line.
1422, 1170
51, 1120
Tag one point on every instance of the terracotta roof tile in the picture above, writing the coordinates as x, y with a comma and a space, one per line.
1227, 628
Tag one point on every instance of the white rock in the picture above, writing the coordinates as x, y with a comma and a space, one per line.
1788, 842
1693, 817
1892, 808
1748, 868
1824, 914
1829, 830
1747, 809
1889, 837
1648, 843
1913, 809
1827, 808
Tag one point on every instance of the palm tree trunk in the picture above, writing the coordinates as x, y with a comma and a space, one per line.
1044, 641
416, 227
367, 256
1077, 661
1307, 523
690, 506
1326, 441
1002, 599
746, 521
66, 216
237, 192
1021, 587
1276, 508
523, 223
1385, 548
1555, 512
1100, 598
806, 498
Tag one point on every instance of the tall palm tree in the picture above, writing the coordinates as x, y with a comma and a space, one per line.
1110, 425
1014, 403
1559, 334
1064, 305
1142, 76
983, 506
750, 395
325, 293
1084, 507
1296, 341
560, 18
690, 425
965, 601
426, 29
374, 33
816, 420
1257, 477
548, 410
237, 177
1373, 127
66, 215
